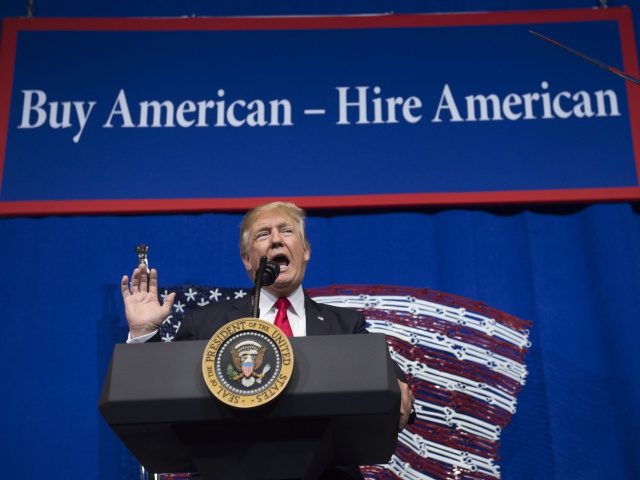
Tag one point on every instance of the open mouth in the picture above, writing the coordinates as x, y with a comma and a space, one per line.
281, 259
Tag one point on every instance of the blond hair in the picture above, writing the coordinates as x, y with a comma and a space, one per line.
297, 214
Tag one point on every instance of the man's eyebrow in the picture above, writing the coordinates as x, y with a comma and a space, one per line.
259, 227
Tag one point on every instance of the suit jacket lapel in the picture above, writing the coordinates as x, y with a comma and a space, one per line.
318, 320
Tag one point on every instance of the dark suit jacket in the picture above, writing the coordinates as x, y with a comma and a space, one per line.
202, 323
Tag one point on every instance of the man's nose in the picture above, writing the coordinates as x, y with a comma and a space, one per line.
276, 239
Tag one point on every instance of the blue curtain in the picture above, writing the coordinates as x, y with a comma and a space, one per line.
573, 271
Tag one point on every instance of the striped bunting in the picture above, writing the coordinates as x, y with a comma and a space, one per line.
465, 364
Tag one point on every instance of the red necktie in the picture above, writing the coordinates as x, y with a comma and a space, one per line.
282, 321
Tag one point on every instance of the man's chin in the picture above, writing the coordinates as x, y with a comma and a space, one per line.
282, 287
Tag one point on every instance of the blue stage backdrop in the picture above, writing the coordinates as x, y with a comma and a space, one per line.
573, 270
378, 110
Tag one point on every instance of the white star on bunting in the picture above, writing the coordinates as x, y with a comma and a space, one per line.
190, 295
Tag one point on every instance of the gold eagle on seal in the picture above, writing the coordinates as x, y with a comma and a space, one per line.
247, 358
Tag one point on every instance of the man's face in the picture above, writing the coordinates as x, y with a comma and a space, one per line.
275, 235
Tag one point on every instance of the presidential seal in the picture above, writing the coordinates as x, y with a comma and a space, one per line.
247, 363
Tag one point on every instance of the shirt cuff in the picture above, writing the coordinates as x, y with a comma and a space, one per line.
141, 338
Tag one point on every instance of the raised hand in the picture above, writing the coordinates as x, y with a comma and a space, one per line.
144, 312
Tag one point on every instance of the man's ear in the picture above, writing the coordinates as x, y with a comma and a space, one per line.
246, 260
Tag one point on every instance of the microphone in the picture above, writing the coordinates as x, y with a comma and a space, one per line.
265, 275
270, 273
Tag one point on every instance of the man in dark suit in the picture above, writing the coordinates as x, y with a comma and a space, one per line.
275, 230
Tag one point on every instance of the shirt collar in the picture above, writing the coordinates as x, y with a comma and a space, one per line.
268, 299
